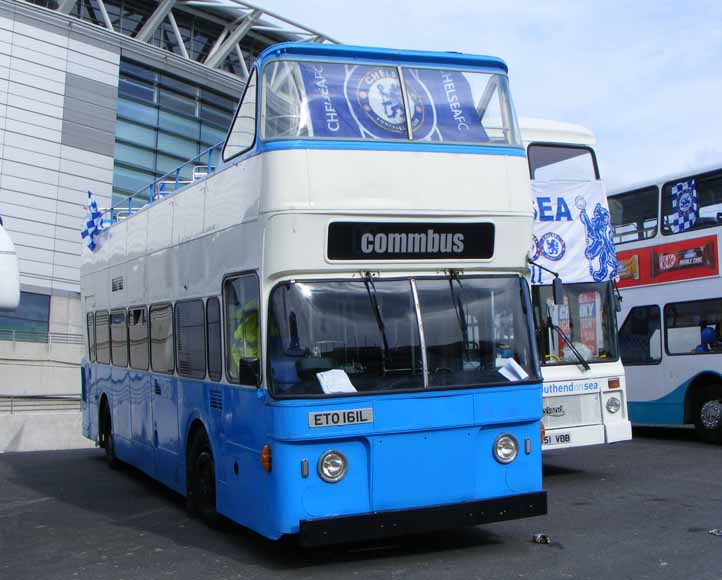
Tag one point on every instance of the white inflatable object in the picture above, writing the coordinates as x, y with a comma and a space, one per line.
9, 275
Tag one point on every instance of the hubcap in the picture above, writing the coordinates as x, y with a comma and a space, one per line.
711, 415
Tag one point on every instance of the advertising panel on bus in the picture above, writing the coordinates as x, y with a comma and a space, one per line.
670, 262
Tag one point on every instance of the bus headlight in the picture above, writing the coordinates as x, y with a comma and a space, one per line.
332, 466
613, 404
505, 448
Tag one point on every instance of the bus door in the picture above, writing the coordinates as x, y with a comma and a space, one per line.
164, 396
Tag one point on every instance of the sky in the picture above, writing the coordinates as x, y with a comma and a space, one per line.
645, 76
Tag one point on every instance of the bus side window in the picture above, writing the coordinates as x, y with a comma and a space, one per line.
640, 336
693, 327
119, 338
240, 297
213, 338
138, 338
190, 339
102, 337
91, 336
161, 338
243, 132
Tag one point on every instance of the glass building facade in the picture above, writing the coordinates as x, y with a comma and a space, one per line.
163, 121
29, 321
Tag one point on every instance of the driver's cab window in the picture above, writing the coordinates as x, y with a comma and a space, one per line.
244, 127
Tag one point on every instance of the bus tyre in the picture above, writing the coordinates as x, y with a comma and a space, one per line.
202, 480
106, 437
708, 421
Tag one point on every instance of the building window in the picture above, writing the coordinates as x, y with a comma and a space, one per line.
119, 338
213, 338
640, 338
102, 337
29, 321
190, 339
138, 338
693, 327
163, 121
240, 297
161, 339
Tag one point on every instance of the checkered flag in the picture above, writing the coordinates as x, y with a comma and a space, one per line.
93, 224
685, 208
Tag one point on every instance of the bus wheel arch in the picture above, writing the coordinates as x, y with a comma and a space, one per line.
200, 474
703, 406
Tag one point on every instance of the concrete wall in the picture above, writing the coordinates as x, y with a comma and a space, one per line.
58, 94
42, 432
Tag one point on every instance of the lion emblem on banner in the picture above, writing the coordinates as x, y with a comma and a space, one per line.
599, 250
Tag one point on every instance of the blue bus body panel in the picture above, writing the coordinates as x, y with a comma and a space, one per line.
423, 449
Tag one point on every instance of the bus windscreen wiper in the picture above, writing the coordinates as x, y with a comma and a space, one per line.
371, 289
459, 308
560, 332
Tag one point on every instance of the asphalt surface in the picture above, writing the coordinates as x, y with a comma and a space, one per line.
641, 509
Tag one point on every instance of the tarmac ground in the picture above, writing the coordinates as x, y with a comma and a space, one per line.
639, 509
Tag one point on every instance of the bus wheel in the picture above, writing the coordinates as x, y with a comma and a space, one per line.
708, 421
106, 437
202, 480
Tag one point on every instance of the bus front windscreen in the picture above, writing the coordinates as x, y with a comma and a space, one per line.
345, 101
587, 319
346, 337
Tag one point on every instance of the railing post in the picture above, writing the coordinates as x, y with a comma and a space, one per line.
177, 175
210, 160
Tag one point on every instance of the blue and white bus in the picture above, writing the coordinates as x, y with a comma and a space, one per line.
331, 335
667, 233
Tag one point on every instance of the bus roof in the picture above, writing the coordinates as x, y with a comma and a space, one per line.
669, 176
546, 131
346, 52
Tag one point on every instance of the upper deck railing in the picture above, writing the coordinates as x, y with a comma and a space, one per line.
193, 170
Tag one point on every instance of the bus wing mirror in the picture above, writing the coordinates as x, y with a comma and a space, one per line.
558, 291
253, 365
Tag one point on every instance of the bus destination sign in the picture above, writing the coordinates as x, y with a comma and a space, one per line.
410, 241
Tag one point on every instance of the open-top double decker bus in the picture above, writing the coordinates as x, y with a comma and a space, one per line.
331, 334
667, 236
584, 395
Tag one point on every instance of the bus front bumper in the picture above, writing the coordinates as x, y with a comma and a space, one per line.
384, 524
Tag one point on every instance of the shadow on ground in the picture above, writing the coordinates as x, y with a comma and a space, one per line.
127, 498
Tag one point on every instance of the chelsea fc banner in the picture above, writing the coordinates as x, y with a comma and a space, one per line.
572, 232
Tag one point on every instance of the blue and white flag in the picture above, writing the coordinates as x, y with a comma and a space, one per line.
685, 208
572, 232
367, 102
93, 223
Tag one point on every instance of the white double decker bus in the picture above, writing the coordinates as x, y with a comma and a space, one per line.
584, 395
667, 233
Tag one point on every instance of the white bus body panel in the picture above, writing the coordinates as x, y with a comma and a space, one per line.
9, 273
575, 412
270, 213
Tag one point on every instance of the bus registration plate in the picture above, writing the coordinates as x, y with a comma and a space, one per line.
557, 438
345, 417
